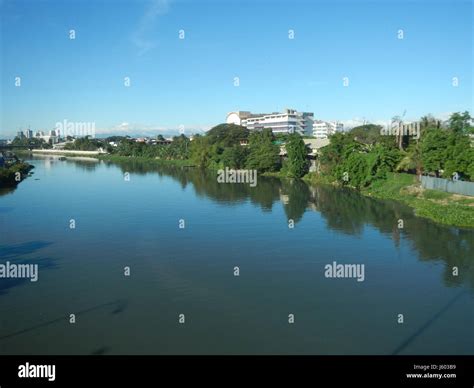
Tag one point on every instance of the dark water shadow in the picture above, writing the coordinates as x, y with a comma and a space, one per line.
15, 254
100, 351
63, 318
9, 252
120, 308
427, 324
43, 263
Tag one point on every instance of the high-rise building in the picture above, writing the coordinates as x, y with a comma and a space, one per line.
324, 129
51, 137
288, 121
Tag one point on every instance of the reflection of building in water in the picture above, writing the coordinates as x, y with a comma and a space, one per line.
47, 164
313, 199
284, 198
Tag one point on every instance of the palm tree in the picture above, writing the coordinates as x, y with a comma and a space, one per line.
397, 119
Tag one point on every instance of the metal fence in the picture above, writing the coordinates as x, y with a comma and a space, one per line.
449, 186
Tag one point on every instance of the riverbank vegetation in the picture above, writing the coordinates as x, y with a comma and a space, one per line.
366, 158
445, 208
30, 143
150, 161
12, 174
233, 146
389, 167
364, 154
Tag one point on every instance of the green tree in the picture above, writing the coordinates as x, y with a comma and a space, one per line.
297, 162
234, 157
354, 171
178, 149
459, 157
367, 133
340, 143
381, 160
263, 155
460, 122
85, 144
200, 151
227, 135
434, 145
428, 121
412, 159
30, 143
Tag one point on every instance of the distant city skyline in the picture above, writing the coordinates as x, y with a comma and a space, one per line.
138, 67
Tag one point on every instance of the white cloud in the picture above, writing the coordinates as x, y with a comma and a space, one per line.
123, 127
140, 37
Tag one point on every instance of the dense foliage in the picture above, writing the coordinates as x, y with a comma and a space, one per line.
85, 144
8, 175
263, 153
177, 149
364, 154
297, 163
447, 153
30, 143
226, 146
355, 158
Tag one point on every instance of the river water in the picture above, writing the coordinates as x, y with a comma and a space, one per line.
189, 272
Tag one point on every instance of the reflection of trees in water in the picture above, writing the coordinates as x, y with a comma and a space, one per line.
205, 183
84, 164
7, 190
295, 197
347, 211
135, 166
452, 245
344, 210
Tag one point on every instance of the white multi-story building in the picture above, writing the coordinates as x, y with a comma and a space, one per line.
51, 138
324, 129
289, 121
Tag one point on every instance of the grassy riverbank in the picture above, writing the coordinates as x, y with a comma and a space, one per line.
158, 162
441, 207
275, 174
313, 178
445, 208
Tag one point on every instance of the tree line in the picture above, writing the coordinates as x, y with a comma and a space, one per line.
365, 154
356, 158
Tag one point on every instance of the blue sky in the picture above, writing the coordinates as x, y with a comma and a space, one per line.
190, 82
